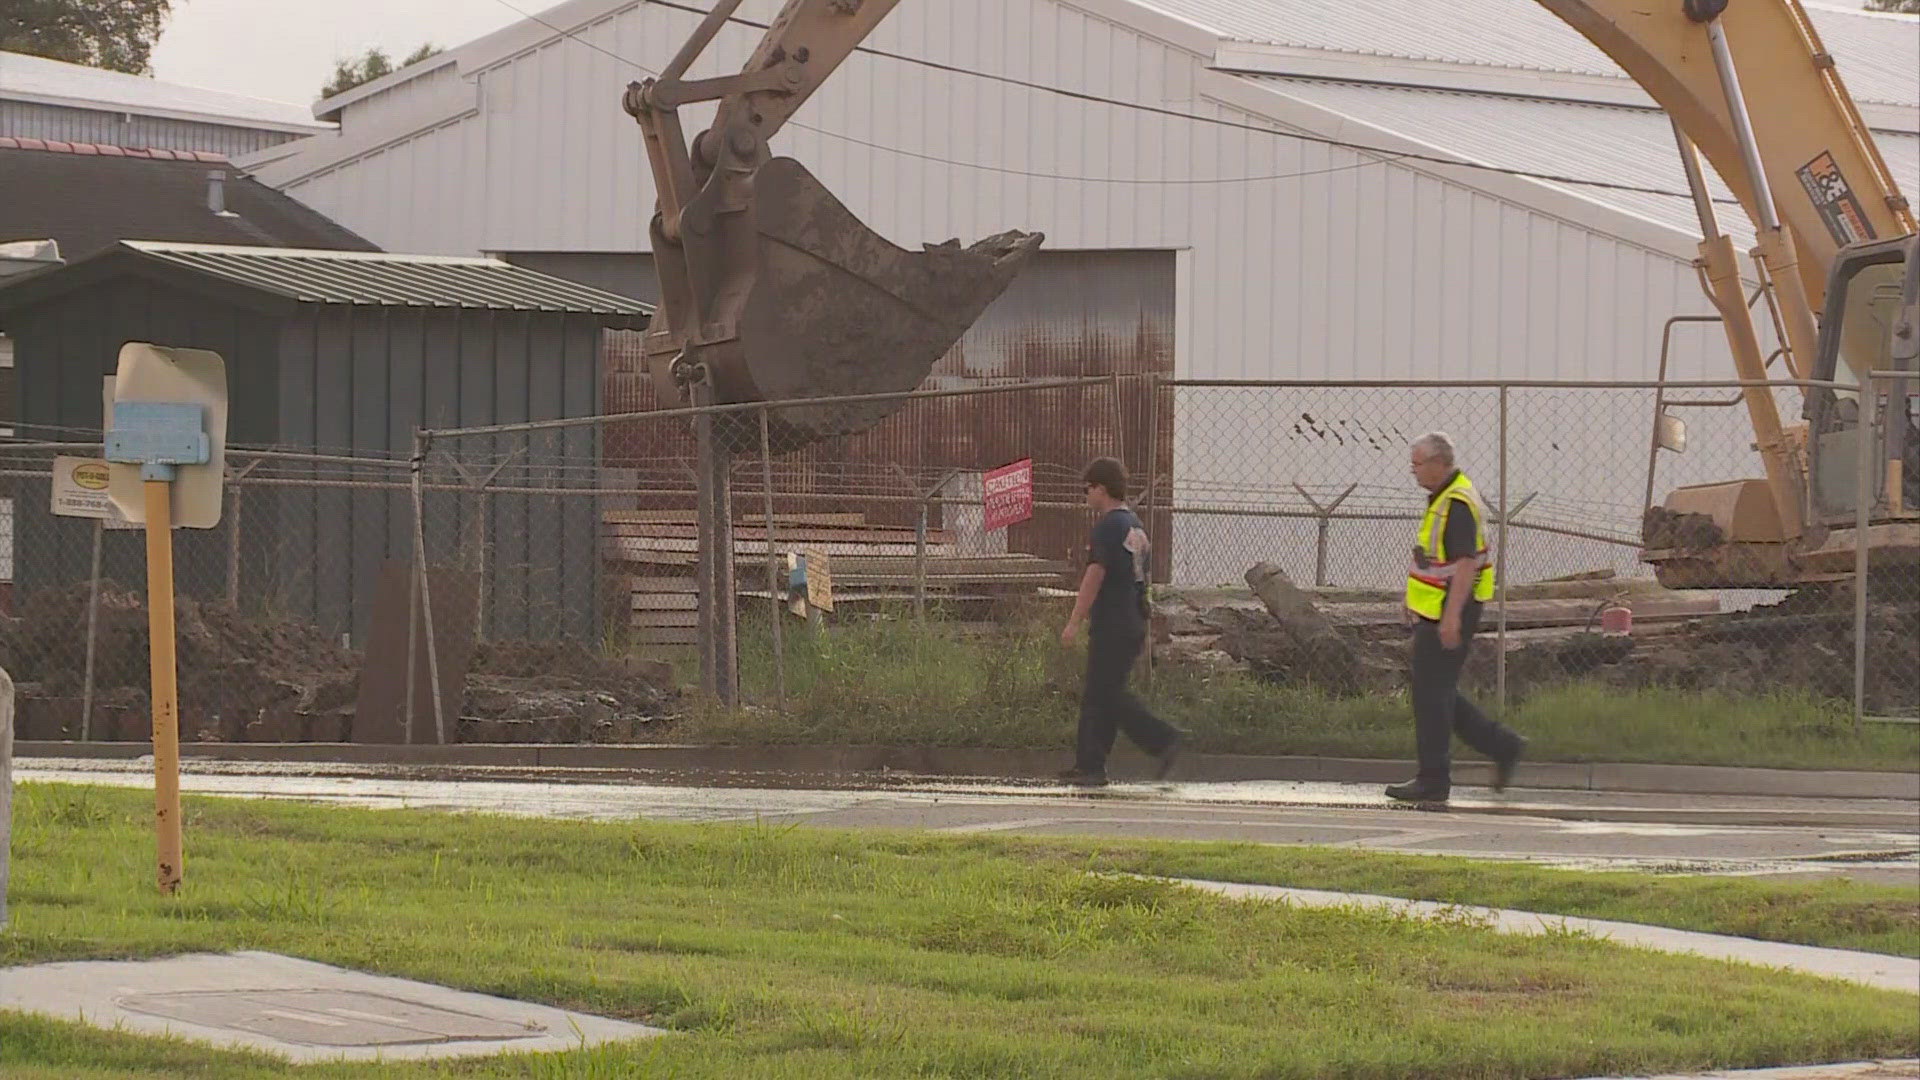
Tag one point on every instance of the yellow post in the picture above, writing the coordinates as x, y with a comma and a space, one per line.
166, 691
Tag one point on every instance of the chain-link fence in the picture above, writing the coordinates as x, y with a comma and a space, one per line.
565, 593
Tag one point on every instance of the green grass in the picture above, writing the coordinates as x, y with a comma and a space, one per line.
899, 683
782, 952
1835, 912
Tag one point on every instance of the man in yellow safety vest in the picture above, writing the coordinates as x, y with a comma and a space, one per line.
1449, 581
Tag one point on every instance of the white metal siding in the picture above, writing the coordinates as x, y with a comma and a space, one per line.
31, 120
1350, 268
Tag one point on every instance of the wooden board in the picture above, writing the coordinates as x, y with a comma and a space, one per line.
687, 617
682, 517
665, 601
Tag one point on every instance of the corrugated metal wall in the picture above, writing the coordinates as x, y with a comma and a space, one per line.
364, 378
341, 380
62, 351
31, 120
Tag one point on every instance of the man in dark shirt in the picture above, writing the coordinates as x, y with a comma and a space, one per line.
1113, 603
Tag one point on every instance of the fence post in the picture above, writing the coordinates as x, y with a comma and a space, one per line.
233, 547
93, 634
774, 584
1322, 526
6, 788
1500, 568
425, 593
1152, 507
1862, 516
920, 562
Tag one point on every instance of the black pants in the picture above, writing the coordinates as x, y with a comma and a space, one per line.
1107, 705
1439, 710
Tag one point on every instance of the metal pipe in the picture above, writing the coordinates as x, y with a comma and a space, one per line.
1863, 499
93, 633
233, 548
1495, 384
6, 788
748, 406
420, 443
1500, 566
774, 590
703, 35
1660, 388
1742, 125
1697, 183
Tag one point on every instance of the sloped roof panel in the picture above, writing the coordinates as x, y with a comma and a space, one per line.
1629, 146
1879, 55
34, 78
359, 278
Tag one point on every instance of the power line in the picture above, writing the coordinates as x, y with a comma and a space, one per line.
1386, 155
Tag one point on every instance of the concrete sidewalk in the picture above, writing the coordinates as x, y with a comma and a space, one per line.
843, 761
1868, 969
1907, 1069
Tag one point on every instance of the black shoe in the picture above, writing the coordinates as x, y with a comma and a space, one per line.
1170, 755
1419, 791
1503, 768
1081, 778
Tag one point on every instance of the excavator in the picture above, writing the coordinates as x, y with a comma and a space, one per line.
773, 290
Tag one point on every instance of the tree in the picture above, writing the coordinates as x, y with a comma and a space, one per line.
1904, 7
371, 65
113, 34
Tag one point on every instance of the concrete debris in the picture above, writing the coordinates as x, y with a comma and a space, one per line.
1352, 643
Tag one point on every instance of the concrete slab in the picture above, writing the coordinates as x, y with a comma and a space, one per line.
811, 765
1908, 1069
298, 1009
1868, 969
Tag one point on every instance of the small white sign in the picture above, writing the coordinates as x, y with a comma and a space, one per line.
80, 490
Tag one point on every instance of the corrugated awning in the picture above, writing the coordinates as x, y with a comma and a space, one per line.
387, 280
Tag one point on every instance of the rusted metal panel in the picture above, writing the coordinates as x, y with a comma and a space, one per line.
1069, 314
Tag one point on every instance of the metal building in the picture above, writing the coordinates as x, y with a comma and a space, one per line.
345, 352
71, 103
1284, 254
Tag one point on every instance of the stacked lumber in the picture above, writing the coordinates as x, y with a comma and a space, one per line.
652, 552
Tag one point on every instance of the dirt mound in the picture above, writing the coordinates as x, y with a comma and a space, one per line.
253, 677
233, 668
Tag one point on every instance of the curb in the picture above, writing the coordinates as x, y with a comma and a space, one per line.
1024, 764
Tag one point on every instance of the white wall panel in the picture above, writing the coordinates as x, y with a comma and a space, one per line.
1358, 269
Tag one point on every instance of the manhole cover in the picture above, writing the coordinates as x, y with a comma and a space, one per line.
327, 1017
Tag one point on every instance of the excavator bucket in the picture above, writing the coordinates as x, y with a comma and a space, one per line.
832, 309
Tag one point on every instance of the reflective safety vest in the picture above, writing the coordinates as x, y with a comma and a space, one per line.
1434, 566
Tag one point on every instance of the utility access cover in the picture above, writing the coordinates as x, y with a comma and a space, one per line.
298, 1009
327, 1017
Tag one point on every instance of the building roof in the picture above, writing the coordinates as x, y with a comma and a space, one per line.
356, 278
1879, 55
1627, 145
89, 197
54, 82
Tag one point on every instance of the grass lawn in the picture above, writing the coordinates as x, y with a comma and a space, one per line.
898, 683
783, 952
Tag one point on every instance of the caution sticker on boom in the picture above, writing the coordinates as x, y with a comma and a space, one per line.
1835, 200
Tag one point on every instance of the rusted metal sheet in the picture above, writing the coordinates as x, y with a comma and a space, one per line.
1069, 314
381, 714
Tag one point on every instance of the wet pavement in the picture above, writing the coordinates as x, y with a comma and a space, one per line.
1875, 840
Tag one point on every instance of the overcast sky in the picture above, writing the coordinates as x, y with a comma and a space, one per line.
284, 50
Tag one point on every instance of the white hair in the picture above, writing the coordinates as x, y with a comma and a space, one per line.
1437, 444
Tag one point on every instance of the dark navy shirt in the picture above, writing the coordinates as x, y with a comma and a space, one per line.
1119, 543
